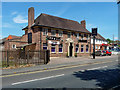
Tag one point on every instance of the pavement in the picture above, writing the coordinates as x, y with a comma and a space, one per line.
57, 63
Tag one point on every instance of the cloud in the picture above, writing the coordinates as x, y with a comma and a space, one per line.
7, 25
13, 13
20, 19
115, 37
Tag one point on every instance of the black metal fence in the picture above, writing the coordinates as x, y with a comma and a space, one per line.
18, 57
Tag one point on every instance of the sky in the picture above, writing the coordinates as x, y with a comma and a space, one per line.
103, 15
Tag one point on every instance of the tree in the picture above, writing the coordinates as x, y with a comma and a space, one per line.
109, 41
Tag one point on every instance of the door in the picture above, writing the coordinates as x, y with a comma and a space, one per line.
70, 50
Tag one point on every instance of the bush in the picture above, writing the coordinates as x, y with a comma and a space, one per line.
75, 54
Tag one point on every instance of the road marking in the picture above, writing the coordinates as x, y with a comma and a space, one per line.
97, 68
38, 79
59, 68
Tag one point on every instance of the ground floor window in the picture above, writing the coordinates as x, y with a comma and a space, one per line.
53, 48
87, 48
60, 48
77, 48
82, 48
44, 46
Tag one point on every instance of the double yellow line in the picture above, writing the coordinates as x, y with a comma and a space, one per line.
55, 68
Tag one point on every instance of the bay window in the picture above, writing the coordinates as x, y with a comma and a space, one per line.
69, 34
45, 31
87, 47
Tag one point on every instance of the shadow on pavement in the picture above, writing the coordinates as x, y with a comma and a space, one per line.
105, 79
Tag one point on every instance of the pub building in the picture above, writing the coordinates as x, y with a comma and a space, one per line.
61, 36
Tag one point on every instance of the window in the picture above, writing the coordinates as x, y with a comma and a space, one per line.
60, 33
13, 46
53, 32
82, 36
45, 31
29, 37
69, 34
44, 46
82, 48
60, 48
77, 35
53, 48
87, 47
77, 48
96, 47
87, 36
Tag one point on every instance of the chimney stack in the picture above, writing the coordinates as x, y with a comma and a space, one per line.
83, 23
30, 18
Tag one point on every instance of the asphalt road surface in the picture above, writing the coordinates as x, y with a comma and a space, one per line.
105, 74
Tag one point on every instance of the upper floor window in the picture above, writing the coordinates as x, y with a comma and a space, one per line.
87, 36
13, 46
69, 34
53, 32
77, 35
45, 31
60, 33
82, 36
29, 37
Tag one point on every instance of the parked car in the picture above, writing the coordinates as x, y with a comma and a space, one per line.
100, 53
108, 52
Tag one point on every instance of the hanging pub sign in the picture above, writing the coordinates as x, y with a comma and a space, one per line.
53, 38
94, 31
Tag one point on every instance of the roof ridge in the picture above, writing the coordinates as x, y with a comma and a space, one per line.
59, 17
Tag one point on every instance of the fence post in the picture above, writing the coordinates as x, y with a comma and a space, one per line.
7, 58
27, 57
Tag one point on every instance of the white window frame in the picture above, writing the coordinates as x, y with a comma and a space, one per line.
45, 31
88, 49
77, 35
83, 48
62, 49
45, 46
53, 31
60, 32
69, 33
51, 49
77, 47
13, 45
81, 36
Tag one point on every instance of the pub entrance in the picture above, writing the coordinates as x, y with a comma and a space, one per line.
70, 50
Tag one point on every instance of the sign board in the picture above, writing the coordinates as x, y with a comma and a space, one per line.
53, 38
84, 41
94, 31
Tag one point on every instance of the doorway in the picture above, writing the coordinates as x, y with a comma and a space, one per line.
70, 50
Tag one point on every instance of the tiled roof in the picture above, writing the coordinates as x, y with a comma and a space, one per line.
57, 22
100, 37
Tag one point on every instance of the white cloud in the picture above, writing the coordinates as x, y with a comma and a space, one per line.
20, 19
115, 38
7, 25
13, 13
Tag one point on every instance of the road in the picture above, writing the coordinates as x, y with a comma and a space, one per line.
104, 74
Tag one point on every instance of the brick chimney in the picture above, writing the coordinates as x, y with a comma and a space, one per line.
30, 18
83, 23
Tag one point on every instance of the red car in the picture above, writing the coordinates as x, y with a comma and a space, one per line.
108, 52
